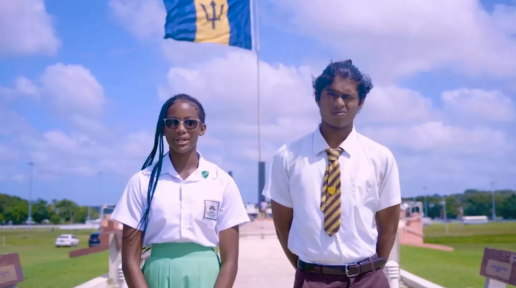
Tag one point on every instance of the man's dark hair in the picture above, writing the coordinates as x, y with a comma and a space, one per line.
346, 70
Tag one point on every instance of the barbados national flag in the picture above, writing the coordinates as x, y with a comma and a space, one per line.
225, 22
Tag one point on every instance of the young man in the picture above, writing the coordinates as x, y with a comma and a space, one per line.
335, 193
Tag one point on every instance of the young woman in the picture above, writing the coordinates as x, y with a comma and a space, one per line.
182, 207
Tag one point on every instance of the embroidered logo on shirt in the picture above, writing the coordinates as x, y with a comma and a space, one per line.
205, 174
211, 209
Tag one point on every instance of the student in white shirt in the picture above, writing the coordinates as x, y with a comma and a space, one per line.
182, 207
335, 193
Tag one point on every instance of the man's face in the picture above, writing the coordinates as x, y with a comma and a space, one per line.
339, 103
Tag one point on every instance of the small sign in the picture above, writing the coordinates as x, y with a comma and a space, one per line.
499, 265
8, 274
10, 270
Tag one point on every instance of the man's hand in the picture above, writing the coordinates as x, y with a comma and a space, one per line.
387, 221
282, 217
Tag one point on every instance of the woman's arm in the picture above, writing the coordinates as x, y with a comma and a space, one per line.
131, 257
228, 245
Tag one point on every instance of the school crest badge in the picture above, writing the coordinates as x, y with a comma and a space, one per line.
211, 209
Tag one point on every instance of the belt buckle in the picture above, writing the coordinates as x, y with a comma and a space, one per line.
351, 275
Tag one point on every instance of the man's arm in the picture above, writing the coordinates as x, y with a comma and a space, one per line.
387, 224
282, 221
277, 189
388, 214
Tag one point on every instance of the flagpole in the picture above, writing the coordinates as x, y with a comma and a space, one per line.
256, 36
256, 45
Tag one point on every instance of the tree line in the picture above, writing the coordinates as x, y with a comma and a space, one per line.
15, 210
470, 203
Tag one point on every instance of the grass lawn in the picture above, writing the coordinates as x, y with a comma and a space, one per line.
460, 268
45, 266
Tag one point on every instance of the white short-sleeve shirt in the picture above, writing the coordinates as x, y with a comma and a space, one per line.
192, 210
369, 183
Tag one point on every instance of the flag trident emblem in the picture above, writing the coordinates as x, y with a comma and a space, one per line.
213, 17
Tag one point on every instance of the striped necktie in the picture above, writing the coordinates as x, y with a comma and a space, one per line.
330, 201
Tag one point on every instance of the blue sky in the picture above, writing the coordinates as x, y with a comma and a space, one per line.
82, 82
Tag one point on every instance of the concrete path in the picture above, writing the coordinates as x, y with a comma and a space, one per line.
262, 262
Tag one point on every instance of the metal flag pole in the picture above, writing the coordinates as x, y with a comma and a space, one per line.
493, 199
255, 28
257, 47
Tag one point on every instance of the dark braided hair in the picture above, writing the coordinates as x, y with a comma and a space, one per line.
346, 70
158, 144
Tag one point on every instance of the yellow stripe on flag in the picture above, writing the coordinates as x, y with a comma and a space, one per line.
212, 21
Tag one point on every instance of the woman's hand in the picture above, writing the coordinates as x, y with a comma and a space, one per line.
228, 245
131, 257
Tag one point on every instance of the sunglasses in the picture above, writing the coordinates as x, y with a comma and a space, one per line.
190, 124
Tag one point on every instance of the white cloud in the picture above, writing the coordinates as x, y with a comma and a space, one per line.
73, 89
393, 104
230, 84
398, 117
25, 87
394, 39
26, 28
505, 18
480, 105
22, 87
442, 138
144, 19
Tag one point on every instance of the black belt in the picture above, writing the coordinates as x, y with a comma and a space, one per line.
349, 270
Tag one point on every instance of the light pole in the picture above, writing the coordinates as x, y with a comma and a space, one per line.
29, 220
426, 201
493, 199
100, 191
445, 217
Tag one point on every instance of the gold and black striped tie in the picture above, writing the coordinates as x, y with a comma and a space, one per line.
330, 201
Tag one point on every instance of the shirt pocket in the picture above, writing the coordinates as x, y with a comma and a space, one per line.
209, 213
365, 191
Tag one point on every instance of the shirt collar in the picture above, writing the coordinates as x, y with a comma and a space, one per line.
204, 171
320, 145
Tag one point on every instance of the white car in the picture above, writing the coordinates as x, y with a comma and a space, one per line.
67, 240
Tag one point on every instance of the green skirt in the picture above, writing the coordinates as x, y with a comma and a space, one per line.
181, 265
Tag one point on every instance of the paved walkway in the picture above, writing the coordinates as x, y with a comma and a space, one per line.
263, 264
262, 261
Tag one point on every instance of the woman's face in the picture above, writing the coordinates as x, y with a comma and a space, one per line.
183, 127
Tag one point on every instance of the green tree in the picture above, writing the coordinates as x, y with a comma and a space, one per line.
66, 209
81, 214
55, 219
17, 213
41, 210
508, 208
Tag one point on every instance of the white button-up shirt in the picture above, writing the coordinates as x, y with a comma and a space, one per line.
369, 183
191, 210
